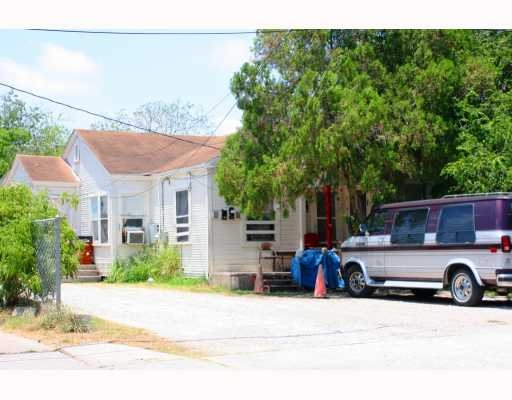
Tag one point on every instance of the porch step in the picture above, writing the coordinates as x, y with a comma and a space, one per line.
86, 273
277, 275
96, 278
282, 288
279, 282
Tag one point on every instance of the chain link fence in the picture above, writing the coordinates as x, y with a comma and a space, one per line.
47, 245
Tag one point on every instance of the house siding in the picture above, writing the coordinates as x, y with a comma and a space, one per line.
94, 179
20, 176
194, 254
230, 253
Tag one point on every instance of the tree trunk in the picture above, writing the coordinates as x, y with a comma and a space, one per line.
328, 215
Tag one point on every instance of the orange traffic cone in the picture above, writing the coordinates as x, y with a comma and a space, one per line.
320, 289
258, 282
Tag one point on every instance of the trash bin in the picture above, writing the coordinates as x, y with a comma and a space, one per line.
87, 255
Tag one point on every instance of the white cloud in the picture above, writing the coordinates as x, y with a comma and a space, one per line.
57, 59
231, 54
58, 71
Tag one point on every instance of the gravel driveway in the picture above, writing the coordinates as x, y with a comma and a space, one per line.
339, 332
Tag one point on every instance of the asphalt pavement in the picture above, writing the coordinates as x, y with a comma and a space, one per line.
260, 332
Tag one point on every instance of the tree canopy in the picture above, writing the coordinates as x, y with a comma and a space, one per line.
19, 278
173, 118
372, 110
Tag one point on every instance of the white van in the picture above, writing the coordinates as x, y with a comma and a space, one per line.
462, 242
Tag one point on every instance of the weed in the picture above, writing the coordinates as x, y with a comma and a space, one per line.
160, 264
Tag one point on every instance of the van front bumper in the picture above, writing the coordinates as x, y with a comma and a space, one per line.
504, 280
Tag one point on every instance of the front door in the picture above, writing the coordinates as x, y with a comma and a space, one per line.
321, 220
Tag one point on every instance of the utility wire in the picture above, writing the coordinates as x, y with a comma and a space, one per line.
217, 104
223, 119
104, 116
157, 33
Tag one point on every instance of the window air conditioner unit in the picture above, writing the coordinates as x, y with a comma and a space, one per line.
135, 237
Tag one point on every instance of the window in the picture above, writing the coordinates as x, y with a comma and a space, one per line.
99, 218
409, 227
182, 216
131, 224
133, 205
320, 217
133, 215
376, 223
456, 225
263, 228
76, 153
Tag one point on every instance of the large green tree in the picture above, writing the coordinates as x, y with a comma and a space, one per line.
372, 110
27, 129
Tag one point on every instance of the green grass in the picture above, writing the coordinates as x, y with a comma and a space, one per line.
198, 285
60, 329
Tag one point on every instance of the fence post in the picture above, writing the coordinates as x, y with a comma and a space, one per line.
57, 261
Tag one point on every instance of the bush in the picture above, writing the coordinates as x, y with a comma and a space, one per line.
63, 320
160, 264
19, 207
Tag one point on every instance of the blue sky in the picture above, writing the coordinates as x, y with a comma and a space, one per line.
108, 73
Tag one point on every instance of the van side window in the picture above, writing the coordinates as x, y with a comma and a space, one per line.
456, 224
376, 224
409, 227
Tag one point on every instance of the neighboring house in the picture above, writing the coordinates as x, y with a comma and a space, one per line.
46, 173
138, 188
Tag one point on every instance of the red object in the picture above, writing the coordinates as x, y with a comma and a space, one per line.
328, 214
320, 289
505, 244
494, 249
87, 255
258, 282
311, 240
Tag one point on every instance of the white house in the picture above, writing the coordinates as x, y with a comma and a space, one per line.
135, 188
46, 173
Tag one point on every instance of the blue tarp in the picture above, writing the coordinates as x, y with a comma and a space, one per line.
304, 268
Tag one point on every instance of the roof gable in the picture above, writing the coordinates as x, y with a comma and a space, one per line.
47, 169
137, 153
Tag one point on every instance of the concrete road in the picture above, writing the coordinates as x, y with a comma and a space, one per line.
393, 331
17, 352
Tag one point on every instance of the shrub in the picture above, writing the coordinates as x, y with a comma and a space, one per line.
63, 320
159, 264
19, 207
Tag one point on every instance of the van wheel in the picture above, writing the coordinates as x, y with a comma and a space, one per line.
424, 294
465, 289
355, 283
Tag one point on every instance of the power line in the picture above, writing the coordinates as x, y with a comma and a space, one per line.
223, 119
217, 104
95, 114
157, 33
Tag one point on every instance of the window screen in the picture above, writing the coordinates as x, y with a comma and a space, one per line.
409, 227
456, 224
182, 216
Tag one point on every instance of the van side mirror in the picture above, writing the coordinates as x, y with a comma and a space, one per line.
363, 229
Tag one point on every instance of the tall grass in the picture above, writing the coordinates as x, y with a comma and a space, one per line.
159, 264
